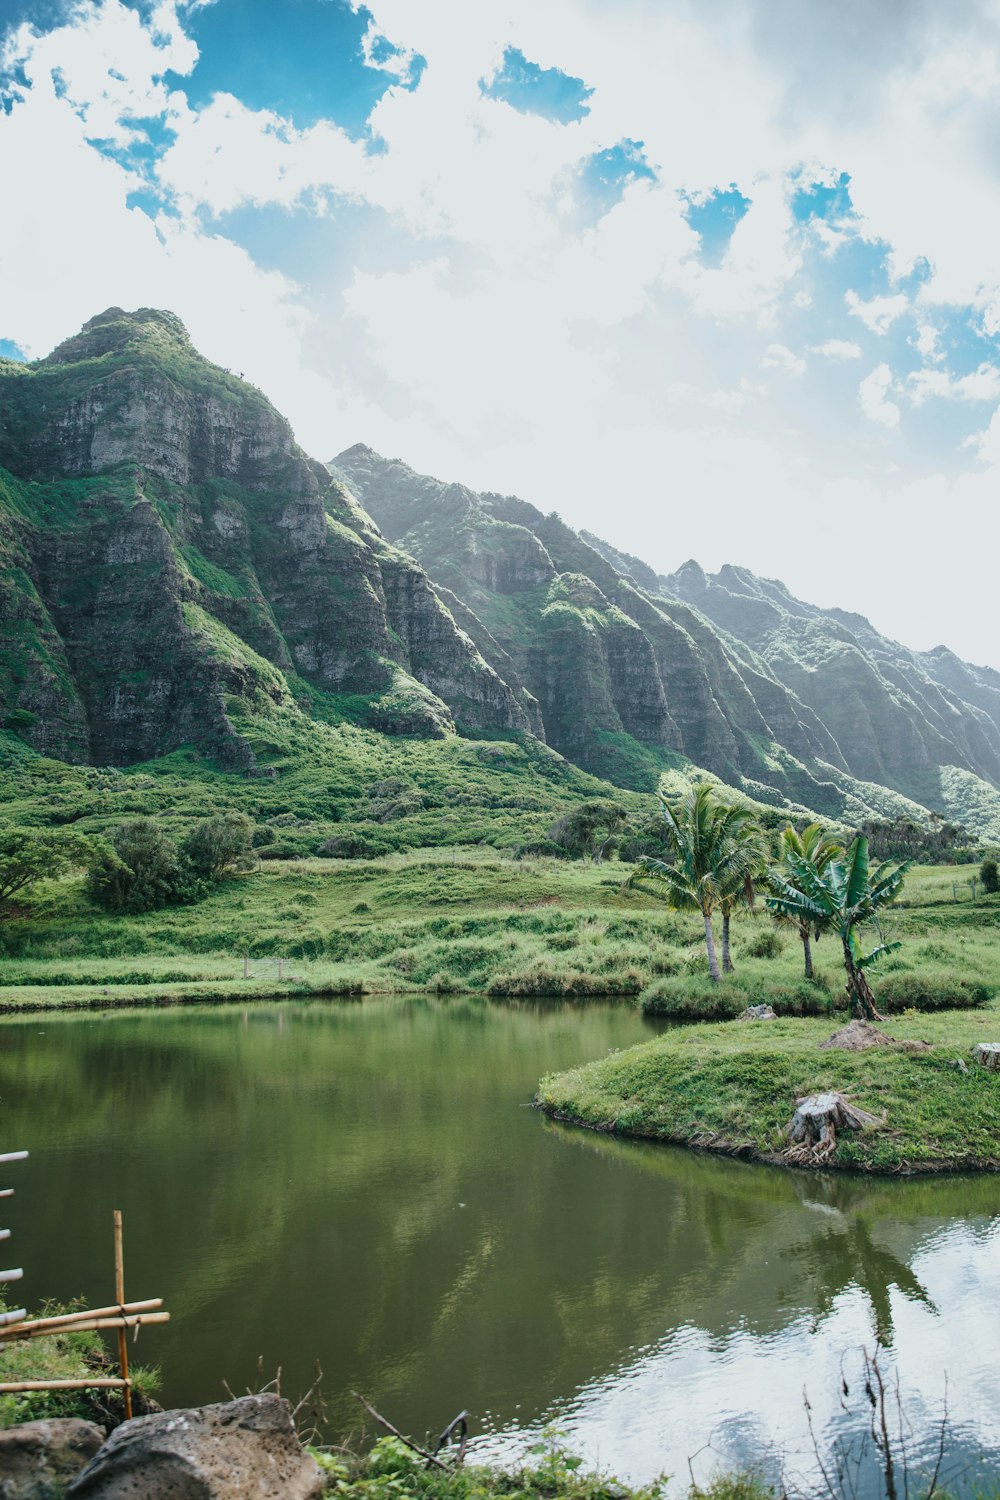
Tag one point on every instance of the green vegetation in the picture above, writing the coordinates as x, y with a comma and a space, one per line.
67, 1356
392, 1471
717, 852
989, 874
840, 897
28, 855
732, 1088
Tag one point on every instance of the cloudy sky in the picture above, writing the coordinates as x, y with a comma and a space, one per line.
710, 277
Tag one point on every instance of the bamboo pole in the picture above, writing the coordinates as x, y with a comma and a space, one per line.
120, 1295
14, 1316
82, 1325
126, 1309
13, 1155
12, 1387
11, 1275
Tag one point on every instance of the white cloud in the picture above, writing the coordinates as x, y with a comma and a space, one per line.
778, 357
482, 332
982, 384
878, 313
873, 397
838, 349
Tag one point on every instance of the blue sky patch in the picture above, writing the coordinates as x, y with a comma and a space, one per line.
302, 59
605, 176
824, 200
10, 350
537, 91
714, 218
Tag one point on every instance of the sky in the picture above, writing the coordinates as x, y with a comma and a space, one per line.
714, 280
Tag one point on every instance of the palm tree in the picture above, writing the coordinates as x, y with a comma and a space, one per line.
815, 846
717, 851
845, 895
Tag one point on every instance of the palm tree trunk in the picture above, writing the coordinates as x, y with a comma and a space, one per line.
713, 962
727, 963
807, 950
859, 990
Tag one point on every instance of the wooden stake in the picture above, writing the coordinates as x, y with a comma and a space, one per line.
83, 1325
120, 1295
11, 1387
57, 1320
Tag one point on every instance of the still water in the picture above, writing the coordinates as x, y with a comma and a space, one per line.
364, 1184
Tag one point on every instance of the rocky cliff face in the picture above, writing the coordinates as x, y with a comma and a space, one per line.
631, 669
171, 557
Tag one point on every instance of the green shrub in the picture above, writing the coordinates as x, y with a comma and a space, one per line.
931, 990
568, 983
280, 850
219, 845
691, 997
353, 846
141, 871
764, 944
989, 874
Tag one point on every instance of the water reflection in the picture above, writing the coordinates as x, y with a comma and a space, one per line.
363, 1183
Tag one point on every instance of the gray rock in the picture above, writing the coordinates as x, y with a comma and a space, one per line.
38, 1459
237, 1450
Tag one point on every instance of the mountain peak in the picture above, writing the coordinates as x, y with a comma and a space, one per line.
114, 331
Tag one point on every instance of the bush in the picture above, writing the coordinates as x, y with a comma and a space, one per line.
567, 983
934, 990
141, 871
989, 874
219, 845
281, 849
763, 944
695, 998
352, 846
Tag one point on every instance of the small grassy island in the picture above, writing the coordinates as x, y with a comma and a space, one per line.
731, 1087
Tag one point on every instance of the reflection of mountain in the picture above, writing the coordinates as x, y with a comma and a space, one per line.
361, 1183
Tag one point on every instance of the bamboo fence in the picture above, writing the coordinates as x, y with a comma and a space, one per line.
120, 1315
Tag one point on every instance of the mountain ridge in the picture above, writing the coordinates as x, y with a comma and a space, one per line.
175, 570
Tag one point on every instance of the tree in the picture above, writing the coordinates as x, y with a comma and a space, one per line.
842, 897
141, 871
220, 845
591, 828
716, 850
816, 847
28, 855
989, 874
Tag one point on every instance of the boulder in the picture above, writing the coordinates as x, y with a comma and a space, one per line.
757, 1013
857, 1036
38, 1459
236, 1450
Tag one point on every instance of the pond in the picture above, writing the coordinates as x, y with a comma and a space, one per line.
364, 1184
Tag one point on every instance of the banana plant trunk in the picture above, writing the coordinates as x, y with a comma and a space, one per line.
713, 962
859, 990
807, 950
727, 962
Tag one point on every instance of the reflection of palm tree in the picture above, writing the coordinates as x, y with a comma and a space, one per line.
848, 1256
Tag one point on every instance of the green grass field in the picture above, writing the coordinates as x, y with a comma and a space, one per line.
446, 921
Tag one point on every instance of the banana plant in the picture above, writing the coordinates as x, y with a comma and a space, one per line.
843, 896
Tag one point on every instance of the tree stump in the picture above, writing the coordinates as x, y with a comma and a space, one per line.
987, 1055
814, 1125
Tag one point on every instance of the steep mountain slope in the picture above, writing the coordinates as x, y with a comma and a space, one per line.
924, 723
630, 669
171, 560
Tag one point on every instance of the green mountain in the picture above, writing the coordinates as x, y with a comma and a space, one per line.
178, 579
169, 554
629, 669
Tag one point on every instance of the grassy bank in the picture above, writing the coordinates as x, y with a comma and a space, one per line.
732, 1087
458, 921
